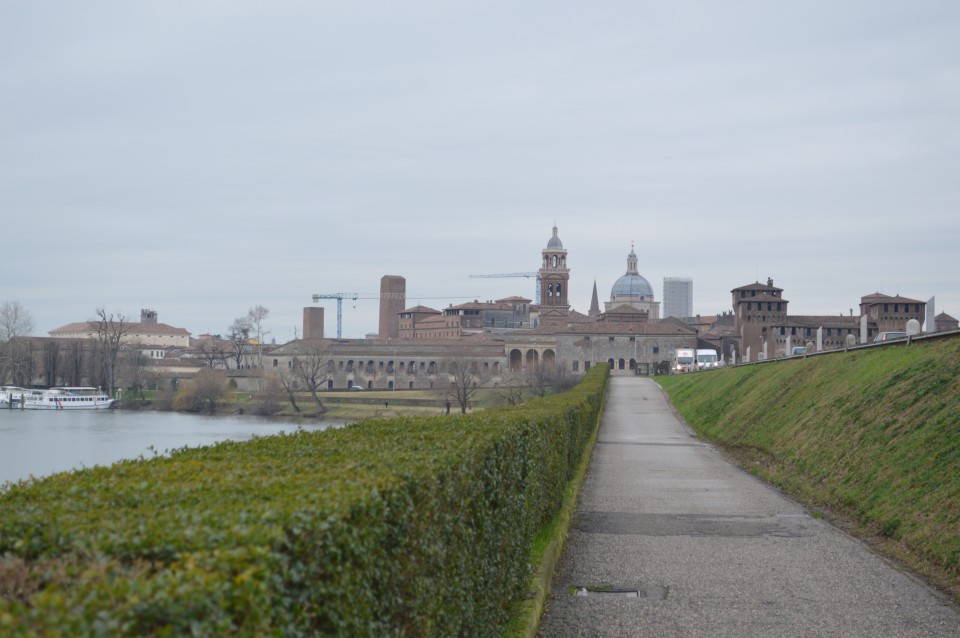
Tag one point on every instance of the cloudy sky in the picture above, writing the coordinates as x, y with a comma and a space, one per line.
199, 158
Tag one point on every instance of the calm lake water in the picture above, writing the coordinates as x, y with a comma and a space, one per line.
42, 442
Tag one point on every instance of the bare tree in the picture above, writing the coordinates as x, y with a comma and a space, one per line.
466, 377
255, 318
239, 337
213, 351
512, 392
291, 385
110, 332
16, 351
311, 368
547, 378
15, 321
134, 365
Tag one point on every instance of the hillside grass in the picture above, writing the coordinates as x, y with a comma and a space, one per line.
872, 437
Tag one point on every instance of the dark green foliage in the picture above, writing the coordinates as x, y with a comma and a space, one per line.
405, 527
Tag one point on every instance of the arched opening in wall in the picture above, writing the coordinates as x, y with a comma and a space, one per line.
611, 364
621, 364
411, 385
549, 360
516, 360
369, 385
390, 386
633, 364
330, 384
533, 359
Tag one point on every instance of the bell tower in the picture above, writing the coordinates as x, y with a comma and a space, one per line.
554, 277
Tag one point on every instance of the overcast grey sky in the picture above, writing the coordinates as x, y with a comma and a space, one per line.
199, 158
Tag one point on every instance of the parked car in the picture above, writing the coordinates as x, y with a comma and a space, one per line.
889, 336
356, 387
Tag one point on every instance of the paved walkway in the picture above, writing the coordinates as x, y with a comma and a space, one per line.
669, 539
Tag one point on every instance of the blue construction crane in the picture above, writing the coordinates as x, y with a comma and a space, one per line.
339, 296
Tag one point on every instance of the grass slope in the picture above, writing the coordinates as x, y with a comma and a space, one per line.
872, 436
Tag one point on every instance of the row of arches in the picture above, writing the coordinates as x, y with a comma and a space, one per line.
532, 359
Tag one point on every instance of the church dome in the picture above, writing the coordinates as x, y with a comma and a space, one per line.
631, 285
554, 241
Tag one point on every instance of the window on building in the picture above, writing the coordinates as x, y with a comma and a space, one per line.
576, 366
656, 349
610, 339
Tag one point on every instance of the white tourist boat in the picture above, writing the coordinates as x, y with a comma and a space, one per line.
10, 396
64, 398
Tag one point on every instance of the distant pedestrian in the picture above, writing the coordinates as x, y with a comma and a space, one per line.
448, 406
386, 405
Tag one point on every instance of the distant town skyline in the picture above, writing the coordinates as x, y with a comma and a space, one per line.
202, 160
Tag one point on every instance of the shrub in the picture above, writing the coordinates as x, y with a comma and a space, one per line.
408, 526
203, 393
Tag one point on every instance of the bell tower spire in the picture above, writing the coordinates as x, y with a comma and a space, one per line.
554, 277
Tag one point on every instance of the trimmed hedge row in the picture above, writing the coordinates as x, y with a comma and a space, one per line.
406, 527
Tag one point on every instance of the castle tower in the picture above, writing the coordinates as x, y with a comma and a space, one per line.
312, 323
554, 277
393, 300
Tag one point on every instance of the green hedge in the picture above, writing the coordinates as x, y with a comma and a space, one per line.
405, 527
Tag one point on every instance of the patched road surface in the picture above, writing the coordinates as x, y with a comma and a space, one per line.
670, 539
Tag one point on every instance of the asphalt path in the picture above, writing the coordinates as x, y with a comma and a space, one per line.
671, 539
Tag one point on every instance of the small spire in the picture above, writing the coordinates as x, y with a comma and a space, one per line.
594, 302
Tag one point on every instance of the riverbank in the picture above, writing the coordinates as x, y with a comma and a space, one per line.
345, 406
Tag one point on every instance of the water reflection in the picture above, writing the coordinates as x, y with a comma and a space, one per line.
39, 443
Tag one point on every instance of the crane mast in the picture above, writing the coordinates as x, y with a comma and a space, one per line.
339, 296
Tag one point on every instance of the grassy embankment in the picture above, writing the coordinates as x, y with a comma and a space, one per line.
870, 437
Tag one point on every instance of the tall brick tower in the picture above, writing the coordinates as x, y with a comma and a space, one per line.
312, 323
393, 300
554, 277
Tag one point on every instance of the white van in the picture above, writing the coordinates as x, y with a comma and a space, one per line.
707, 359
684, 360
